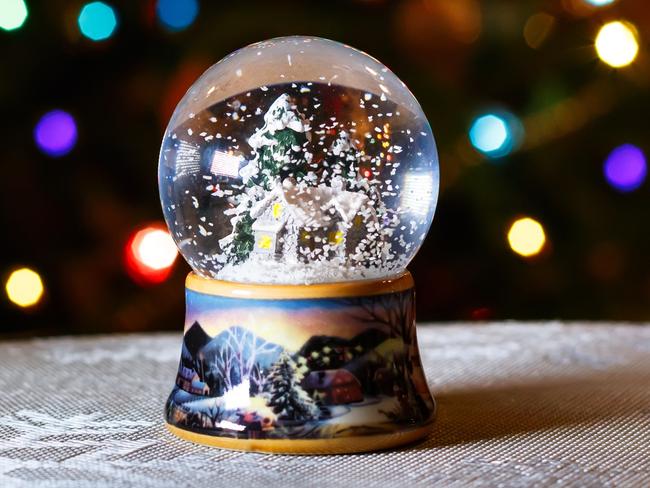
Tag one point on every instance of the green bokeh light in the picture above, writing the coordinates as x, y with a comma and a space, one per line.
13, 14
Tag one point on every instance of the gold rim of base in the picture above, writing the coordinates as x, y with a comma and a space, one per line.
338, 445
231, 289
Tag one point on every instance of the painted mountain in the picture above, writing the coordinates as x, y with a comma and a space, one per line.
194, 340
234, 355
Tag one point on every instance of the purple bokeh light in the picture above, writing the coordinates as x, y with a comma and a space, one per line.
625, 168
56, 133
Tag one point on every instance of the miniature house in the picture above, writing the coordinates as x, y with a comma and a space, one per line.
306, 223
188, 380
333, 386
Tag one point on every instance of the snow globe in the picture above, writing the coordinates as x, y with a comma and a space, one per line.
298, 177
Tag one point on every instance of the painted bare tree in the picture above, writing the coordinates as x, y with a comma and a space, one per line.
236, 359
393, 312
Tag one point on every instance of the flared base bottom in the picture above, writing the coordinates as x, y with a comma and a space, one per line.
339, 445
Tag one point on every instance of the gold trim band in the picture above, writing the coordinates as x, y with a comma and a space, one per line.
231, 289
338, 445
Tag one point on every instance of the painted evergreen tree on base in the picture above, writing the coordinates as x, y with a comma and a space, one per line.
285, 395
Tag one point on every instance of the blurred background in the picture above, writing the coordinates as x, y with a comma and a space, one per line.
540, 110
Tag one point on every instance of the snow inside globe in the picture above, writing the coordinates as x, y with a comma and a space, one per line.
298, 160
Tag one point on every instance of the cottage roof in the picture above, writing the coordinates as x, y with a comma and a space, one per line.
268, 225
310, 205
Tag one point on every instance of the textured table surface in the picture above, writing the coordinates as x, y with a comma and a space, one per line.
518, 405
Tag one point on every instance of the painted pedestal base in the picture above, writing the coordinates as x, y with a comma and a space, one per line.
317, 369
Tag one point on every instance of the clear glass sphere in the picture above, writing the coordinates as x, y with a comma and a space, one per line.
298, 160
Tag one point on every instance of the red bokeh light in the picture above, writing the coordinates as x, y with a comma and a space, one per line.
149, 255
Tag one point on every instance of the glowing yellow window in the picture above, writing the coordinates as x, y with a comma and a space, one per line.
277, 210
336, 237
305, 236
265, 242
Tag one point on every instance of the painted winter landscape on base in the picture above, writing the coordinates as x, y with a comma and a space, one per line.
317, 368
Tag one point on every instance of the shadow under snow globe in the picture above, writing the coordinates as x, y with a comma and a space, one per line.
299, 177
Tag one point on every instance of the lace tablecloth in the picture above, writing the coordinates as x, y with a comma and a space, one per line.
518, 405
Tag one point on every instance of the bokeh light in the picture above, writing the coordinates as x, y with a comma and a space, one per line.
625, 168
97, 21
56, 133
537, 29
599, 3
13, 14
495, 134
616, 44
526, 237
24, 287
150, 254
177, 15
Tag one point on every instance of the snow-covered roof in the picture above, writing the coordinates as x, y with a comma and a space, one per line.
310, 205
273, 226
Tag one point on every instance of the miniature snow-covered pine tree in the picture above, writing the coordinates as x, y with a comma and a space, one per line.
343, 159
285, 395
279, 146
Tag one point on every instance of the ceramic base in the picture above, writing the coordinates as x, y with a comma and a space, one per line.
329, 368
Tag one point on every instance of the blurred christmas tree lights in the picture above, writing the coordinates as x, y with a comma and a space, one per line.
150, 254
559, 70
97, 21
495, 134
526, 237
625, 168
177, 15
24, 287
600, 3
13, 14
56, 133
616, 44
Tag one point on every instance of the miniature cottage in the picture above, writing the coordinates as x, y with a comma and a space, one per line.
305, 223
188, 380
333, 386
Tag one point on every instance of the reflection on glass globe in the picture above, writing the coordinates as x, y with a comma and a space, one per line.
298, 160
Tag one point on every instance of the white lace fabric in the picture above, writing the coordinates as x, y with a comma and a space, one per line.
518, 405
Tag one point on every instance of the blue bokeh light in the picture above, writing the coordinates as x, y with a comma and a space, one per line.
625, 168
177, 15
97, 21
495, 134
56, 133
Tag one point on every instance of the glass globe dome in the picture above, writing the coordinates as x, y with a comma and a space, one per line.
298, 160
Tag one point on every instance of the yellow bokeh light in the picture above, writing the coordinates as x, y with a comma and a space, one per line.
526, 237
24, 287
617, 44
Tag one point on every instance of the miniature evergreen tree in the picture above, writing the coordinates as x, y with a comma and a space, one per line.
285, 395
279, 146
243, 240
279, 152
343, 158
